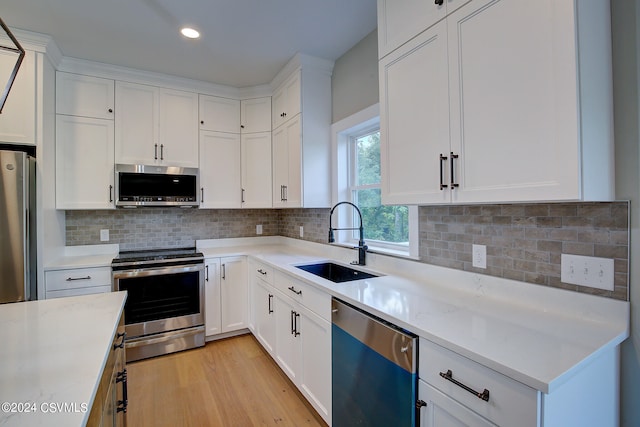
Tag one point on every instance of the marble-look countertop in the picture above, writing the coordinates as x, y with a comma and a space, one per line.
52, 356
537, 335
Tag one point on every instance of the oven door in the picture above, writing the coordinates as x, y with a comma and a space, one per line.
162, 299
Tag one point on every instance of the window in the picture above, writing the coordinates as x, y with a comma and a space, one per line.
386, 228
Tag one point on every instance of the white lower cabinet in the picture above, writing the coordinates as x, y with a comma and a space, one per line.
295, 329
77, 281
226, 295
442, 411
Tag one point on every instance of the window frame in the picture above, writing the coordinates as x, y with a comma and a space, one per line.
344, 133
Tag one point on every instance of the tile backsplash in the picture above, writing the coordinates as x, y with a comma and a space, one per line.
524, 241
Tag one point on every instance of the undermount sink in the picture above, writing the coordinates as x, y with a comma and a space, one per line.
335, 272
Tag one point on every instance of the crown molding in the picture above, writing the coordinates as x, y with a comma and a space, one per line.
37, 42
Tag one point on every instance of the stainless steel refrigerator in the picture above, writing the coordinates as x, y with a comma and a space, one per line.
17, 227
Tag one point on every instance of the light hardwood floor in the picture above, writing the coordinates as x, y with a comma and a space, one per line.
231, 382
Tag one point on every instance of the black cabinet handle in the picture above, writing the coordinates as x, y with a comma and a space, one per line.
286, 191
241, 126
292, 327
442, 160
292, 289
449, 377
261, 271
161, 151
206, 277
296, 316
242, 196
224, 271
121, 377
453, 180
110, 110
71, 279
155, 151
201, 122
202, 195
122, 335
439, 2
270, 299
110, 193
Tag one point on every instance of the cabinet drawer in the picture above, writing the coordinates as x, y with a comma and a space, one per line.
78, 291
77, 278
314, 299
510, 402
263, 271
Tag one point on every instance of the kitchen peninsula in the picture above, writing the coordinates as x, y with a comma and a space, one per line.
54, 354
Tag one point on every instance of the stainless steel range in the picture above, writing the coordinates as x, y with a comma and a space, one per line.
164, 312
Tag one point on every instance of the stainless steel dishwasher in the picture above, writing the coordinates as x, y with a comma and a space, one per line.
374, 370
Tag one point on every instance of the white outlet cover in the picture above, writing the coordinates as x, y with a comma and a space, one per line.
301, 231
104, 235
587, 271
479, 256
259, 229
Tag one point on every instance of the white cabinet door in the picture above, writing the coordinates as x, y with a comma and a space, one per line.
136, 117
219, 114
287, 100
212, 304
287, 168
514, 109
264, 314
85, 96
288, 344
178, 129
414, 120
220, 176
18, 118
255, 115
84, 163
315, 369
234, 293
401, 20
256, 170
443, 411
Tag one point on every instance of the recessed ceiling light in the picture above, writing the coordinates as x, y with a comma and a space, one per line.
190, 33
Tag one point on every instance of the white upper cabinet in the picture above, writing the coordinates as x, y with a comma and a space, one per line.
219, 114
84, 163
84, 96
220, 178
301, 134
256, 170
18, 118
255, 115
156, 126
525, 89
286, 100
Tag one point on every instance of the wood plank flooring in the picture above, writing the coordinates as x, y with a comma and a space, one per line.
230, 382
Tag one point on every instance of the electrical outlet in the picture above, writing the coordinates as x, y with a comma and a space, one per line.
104, 235
587, 271
259, 229
301, 231
479, 256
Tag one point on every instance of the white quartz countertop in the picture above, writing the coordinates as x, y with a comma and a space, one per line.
536, 335
52, 356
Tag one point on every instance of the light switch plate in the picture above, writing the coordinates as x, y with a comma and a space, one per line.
587, 271
104, 235
259, 229
301, 231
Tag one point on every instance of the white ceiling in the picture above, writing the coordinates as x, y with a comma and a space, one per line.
243, 43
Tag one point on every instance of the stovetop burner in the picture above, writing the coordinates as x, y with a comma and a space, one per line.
156, 256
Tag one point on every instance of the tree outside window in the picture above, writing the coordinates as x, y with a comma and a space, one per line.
389, 224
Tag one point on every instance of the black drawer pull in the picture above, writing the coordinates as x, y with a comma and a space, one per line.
449, 377
292, 289
71, 279
261, 271
120, 335
442, 160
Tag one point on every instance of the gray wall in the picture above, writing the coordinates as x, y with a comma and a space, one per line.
626, 45
354, 84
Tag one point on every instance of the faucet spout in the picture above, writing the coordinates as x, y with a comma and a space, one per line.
362, 247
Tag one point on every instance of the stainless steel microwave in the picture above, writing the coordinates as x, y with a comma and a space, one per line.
150, 185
